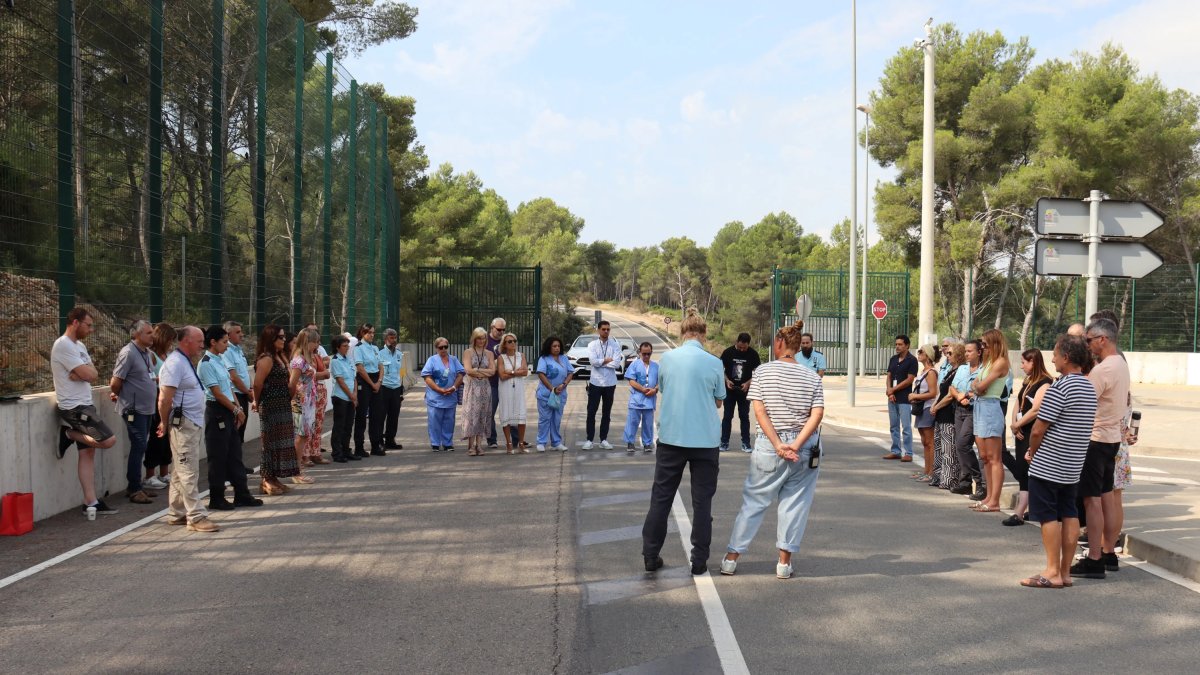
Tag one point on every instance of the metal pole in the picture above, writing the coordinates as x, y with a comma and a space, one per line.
372, 213
851, 361
351, 208
1092, 297
216, 216
66, 161
862, 326
925, 303
259, 191
1132, 313
327, 201
154, 216
298, 184
878, 338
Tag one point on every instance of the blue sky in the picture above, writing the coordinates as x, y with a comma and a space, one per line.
660, 119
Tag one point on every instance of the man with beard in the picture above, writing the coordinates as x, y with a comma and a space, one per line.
739, 362
810, 357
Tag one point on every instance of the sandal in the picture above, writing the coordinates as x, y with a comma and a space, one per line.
1039, 581
509, 448
269, 489
984, 508
302, 480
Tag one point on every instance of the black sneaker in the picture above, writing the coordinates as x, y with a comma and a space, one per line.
979, 495
961, 490
653, 564
1088, 568
248, 500
1013, 521
1110, 561
353, 458
699, 567
220, 505
101, 508
1083, 537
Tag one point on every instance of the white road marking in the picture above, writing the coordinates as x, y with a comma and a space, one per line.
1166, 480
1146, 469
724, 640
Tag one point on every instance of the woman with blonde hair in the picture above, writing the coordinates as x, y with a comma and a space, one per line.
302, 382
924, 393
477, 392
789, 403
988, 417
513, 369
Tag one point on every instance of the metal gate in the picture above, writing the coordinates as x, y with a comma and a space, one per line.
829, 291
453, 301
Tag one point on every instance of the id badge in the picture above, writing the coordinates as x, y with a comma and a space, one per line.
220, 425
129, 417
177, 417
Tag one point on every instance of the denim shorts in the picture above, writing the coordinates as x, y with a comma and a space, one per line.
988, 418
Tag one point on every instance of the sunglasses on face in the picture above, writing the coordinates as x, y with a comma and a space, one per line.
441, 347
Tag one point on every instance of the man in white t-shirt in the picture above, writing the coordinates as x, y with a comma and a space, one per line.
181, 409
74, 375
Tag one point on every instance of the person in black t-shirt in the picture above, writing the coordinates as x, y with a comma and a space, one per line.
739, 361
902, 370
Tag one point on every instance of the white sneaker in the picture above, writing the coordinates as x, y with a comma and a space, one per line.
155, 484
605, 445
783, 571
587, 445
728, 567
561, 448
541, 448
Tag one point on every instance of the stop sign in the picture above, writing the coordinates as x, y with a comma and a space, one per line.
879, 310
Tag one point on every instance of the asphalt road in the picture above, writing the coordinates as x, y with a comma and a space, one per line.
421, 562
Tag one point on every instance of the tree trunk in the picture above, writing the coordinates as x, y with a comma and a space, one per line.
77, 134
1012, 269
1038, 281
1062, 302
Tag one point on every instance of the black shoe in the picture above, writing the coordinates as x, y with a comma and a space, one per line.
699, 567
1013, 521
978, 495
247, 501
379, 453
101, 508
653, 564
1088, 569
354, 458
1110, 561
249, 471
961, 490
449, 448
362, 454
220, 505
340, 459
1083, 537
393, 446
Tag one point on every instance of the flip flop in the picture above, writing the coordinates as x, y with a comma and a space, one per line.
1039, 581
984, 508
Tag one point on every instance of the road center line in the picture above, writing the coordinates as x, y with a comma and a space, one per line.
730, 654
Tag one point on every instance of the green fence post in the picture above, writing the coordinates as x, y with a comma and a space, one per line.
389, 247
215, 215
66, 161
298, 184
259, 182
537, 312
154, 215
373, 237
1132, 312
327, 207
351, 207
1195, 306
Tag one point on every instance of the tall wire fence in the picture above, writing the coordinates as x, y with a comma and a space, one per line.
192, 161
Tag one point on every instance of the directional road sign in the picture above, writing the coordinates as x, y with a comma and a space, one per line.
1071, 217
1067, 257
879, 310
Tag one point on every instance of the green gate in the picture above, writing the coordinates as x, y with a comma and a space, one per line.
828, 322
453, 301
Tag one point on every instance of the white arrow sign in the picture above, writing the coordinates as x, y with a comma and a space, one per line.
1070, 217
1066, 257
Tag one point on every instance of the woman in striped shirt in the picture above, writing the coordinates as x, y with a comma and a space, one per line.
789, 403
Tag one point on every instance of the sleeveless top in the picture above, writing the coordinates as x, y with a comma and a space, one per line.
921, 386
945, 414
996, 388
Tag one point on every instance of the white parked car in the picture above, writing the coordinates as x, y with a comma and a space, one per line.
577, 355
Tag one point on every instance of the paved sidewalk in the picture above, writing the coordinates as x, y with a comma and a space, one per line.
1162, 521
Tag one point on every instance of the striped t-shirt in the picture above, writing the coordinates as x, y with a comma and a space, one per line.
1069, 405
789, 391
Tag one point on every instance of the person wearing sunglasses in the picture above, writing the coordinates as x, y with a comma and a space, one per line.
273, 398
513, 369
443, 375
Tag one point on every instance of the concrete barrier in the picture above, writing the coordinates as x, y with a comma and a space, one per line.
1170, 368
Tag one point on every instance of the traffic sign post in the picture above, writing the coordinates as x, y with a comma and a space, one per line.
1095, 221
879, 310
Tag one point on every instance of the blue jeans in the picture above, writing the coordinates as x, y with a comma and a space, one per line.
900, 422
646, 419
550, 420
139, 435
441, 426
773, 477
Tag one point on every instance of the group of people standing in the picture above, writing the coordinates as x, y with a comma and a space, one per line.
1071, 435
198, 395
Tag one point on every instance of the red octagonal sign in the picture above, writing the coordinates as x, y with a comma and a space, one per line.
879, 310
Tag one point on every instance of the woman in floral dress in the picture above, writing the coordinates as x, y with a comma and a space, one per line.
302, 381
273, 402
477, 392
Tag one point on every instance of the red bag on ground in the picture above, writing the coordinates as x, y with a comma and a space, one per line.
16, 513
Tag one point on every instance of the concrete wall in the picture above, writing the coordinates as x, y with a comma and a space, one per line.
1166, 368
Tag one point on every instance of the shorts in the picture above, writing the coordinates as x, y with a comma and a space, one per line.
1123, 476
84, 420
1050, 501
988, 418
1098, 468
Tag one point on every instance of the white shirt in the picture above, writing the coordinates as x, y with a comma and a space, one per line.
598, 350
178, 372
65, 356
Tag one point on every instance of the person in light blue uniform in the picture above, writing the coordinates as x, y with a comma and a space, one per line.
554, 372
391, 360
808, 356
222, 418
443, 374
370, 403
642, 376
343, 384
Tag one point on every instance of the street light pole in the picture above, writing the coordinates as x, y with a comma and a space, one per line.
862, 325
851, 361
925, 304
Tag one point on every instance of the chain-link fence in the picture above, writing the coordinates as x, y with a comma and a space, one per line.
191, 161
